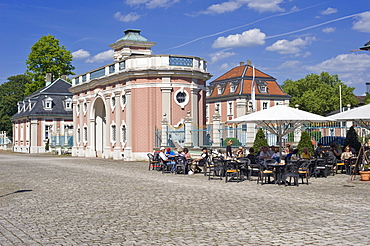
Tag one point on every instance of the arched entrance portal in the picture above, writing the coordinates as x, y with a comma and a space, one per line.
100, 126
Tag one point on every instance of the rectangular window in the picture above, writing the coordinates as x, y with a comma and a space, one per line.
122, 65
230, 108
264, 105
85, 134
111, 69
113, 133
47, 132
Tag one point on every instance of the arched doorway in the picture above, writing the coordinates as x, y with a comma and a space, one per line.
100, 126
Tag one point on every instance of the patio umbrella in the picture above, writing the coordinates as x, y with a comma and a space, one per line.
280, 120
360, 115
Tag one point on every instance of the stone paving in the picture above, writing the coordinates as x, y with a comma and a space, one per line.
51, 200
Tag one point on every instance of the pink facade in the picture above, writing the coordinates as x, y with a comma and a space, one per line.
117, 113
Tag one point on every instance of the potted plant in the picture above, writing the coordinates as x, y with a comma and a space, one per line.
365, 174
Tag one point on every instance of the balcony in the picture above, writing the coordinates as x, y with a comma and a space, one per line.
140, 63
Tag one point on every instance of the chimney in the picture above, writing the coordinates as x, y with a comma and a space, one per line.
249, 62
241, 63
48, 78
64, 77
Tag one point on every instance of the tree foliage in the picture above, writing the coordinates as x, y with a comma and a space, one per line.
11, 92
367, 98
260, 140
319, 94
352, 139
305, 141
47, 56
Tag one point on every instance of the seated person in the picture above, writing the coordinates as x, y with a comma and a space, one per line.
264, 154
201, 161
346, 155
306, 154
240, 152
166, 159
276, 155
319, 151
251, 156
186, 153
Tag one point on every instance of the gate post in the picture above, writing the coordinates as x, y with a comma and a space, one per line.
188, 127
216, 129
164, 131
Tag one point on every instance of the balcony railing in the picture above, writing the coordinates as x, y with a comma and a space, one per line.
140, 63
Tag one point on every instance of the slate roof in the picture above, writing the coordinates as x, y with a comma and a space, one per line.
241, 78
58, 91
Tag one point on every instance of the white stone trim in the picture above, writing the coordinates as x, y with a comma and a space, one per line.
187, 98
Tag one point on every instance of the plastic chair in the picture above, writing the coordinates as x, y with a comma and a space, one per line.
153, 164
232, 171
181, 164
215, 168
304, 170
291, 171
265, 174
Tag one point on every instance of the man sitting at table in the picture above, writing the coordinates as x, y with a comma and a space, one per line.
166, 158
264, 154
202, 161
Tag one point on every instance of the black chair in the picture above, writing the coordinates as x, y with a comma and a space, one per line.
232, 171
291, 171
215, 168
153, 163
265, 173
304, 169
321, 168
181, 164
350, 165
244, 167
331, 164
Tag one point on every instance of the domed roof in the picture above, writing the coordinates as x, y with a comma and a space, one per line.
133, 35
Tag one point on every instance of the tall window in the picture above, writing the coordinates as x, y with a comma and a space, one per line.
230, 108
123, 129
85, 134
114, 132
47, 132
264, 105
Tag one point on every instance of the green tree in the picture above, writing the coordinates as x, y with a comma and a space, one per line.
47, 56
259, 141
11, 92
367, 98
319, 94
352, 139
305, 141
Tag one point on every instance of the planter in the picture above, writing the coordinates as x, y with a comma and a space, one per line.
365, 175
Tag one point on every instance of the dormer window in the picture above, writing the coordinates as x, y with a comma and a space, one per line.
262, 86
48, 103
233, 87
219, 90
67, 104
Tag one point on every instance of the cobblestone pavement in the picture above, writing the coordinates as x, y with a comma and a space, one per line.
50, 200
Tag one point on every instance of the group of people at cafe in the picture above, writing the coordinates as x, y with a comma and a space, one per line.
196, 165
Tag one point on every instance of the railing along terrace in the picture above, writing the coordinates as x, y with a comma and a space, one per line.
146, 62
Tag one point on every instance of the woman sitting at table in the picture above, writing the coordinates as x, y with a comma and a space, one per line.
305, 154
240, 152
346, 155
186, 153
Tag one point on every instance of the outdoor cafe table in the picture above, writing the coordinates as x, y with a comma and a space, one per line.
279, 169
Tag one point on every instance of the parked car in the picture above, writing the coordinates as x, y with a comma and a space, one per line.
329, 140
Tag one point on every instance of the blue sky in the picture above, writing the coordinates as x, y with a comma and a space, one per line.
286, 39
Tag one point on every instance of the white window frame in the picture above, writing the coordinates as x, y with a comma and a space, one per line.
187, 97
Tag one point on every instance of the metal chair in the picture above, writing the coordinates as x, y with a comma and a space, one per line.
291, 171
215, 168
232, 171
153, 163
181, 164
304, 169
265, 173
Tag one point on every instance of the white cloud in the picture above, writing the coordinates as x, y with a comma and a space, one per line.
351, 68
126, 18
248, 38
328, 29
232, 5
151, 4
329, 11
284, 46
363, 22
289, 64
101, 57
221, 55
265, 5
80, 54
